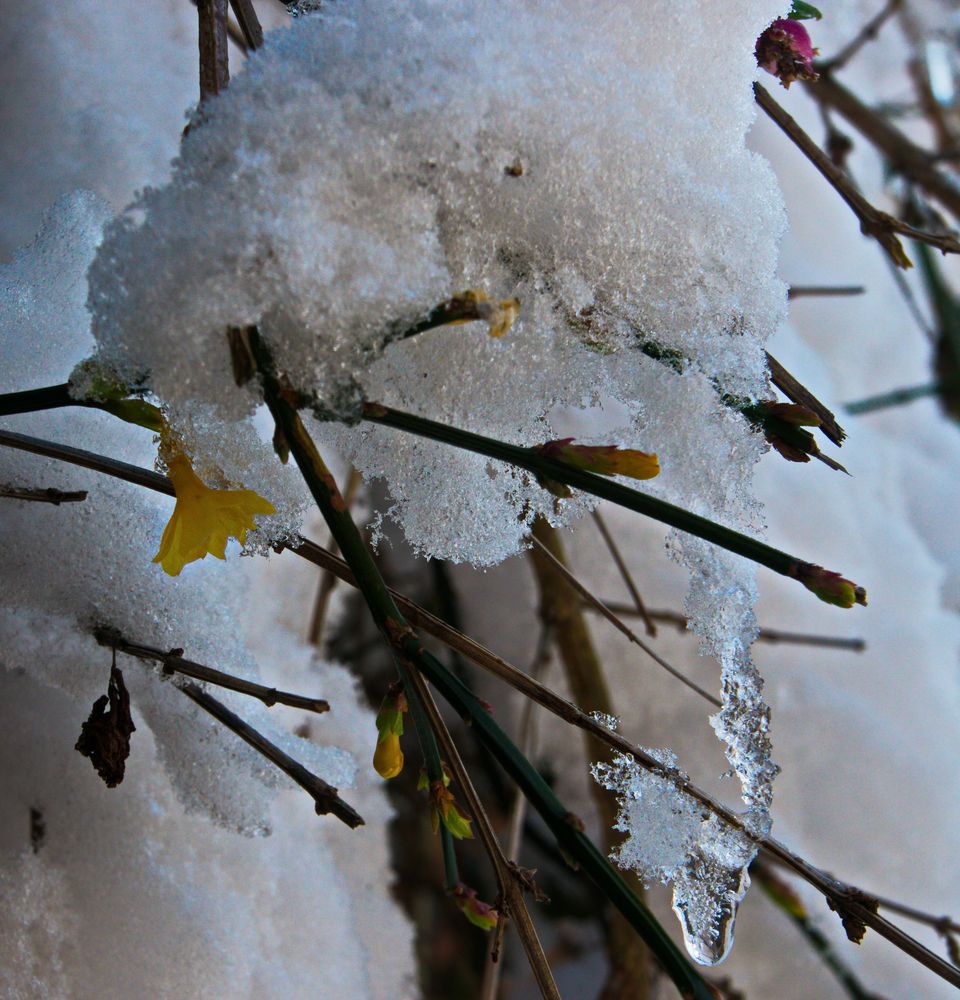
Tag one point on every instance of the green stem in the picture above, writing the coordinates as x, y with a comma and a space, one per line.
50, 397
409, 651
337, 514
898, 397
607, 489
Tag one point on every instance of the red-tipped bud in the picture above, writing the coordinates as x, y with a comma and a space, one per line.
829, 586
479, 913
445, 811
605, 459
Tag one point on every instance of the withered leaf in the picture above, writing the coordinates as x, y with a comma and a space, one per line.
852, 923
105, 736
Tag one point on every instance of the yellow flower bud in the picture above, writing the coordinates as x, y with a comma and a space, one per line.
388, 757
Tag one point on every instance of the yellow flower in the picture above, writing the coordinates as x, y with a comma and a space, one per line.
204, 518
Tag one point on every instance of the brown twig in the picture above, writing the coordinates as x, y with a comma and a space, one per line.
559, 607
771, 635
40, 495
214, 71
510, 885
903, 155
527, 741
796, 392
884, 228
614, 550
174, 662
866, 34
619, 625
942, 925
234, 33
325, 797
249, 23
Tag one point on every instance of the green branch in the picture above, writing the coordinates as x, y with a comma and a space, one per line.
540, 465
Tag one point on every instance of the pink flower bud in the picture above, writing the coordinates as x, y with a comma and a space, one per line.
785, 50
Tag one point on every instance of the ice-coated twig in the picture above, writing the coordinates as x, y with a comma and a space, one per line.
559, 608
614, 550
510, 886
325, 797
174, 662
534, 461
537, 790
884, 228
547, 698
596, 603
42, 494
771, 635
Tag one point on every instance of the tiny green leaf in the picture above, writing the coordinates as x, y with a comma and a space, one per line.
801, 11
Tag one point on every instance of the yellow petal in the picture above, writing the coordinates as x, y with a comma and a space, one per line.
204, 518
388, 757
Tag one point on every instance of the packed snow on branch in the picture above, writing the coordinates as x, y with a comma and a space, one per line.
378, 158
90, 874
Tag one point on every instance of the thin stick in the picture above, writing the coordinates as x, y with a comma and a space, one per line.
617, 623
234, 34
881, 226
625, 573
40, 495
941, 925
174, 662
797, 392
823, 291
325, 797
490, 987
214, 72
839, 893
905, 156
507, 880
866, 34
771, 635
249, 23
